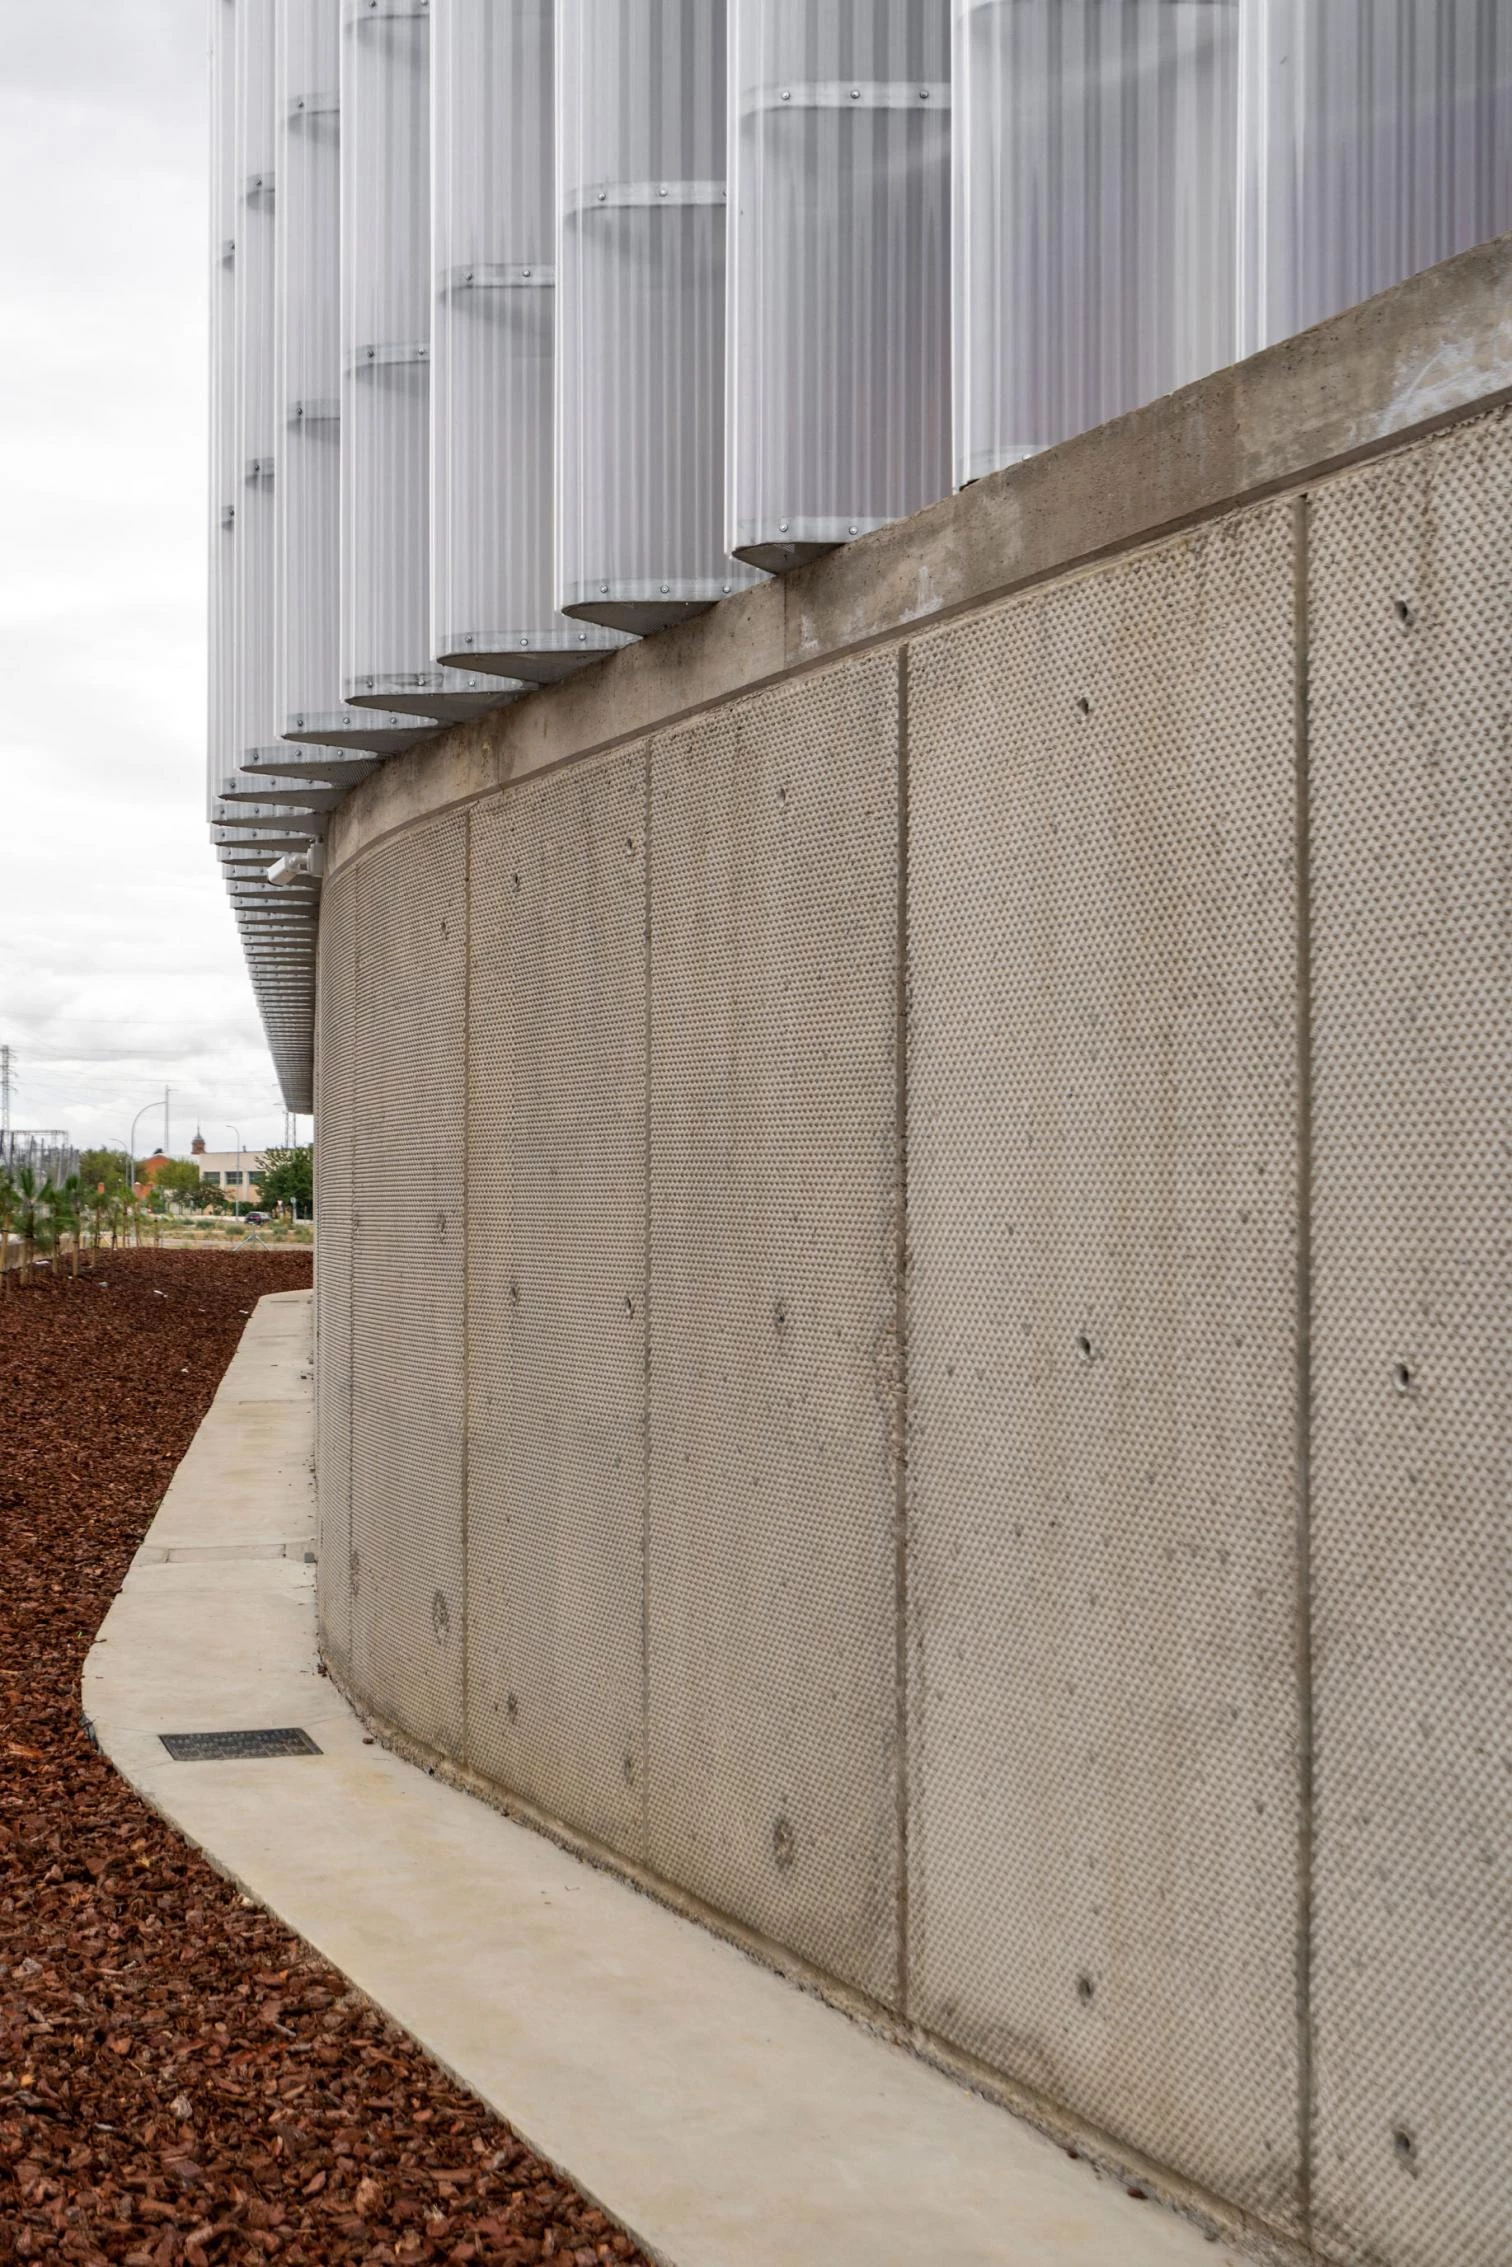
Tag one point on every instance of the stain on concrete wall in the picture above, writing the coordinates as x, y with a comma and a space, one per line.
557, 1277
409, 1078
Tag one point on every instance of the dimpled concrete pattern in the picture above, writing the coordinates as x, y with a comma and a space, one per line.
726, 2118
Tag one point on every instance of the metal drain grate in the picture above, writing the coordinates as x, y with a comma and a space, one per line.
233, 1747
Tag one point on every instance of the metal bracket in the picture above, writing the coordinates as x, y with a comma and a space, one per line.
313, 106
258, 185
370, 11
511, 277
259, 468
849, 94
314, 412
646, 196
378, 356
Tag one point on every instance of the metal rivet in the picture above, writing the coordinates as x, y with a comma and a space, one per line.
782, 527
524, 271
662, 191
727, 588
855, 94
787, 94
923, 94
602, 195
855, 528
665, 589
604, 589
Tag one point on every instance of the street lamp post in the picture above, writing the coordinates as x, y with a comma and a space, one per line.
131, 1154
131, 1145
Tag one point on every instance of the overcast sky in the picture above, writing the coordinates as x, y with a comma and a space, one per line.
120, 968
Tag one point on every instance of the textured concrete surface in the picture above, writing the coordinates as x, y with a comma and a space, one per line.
728, 2119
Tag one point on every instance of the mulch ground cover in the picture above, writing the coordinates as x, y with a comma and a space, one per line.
180, 2078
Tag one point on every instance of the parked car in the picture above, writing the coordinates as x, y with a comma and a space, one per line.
256, 1219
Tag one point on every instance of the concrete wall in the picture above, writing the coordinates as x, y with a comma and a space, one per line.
914, 1290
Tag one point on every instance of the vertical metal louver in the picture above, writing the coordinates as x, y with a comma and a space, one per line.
839, 295
493, 345
1377, 141
255, 143
224, 733
386, 658
1095, 213
640, 110
307, 495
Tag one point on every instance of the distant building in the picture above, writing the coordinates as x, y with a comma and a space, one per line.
149, 1168
238, 1172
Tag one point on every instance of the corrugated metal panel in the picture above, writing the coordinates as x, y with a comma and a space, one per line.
254, 161
1103, 1188
557, 1340
839, 347
1411, 690
640, 126
492, 412
774, 1367
334, 1103
308, 490
1377, 140
1095, 222
386, 655
408, 1279
224, 734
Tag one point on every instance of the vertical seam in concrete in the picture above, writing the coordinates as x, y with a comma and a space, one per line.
645, 1773
1305, 1854
900, 1348
465, 1617
354, 1224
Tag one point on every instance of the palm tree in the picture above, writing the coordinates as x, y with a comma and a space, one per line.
31, 1215
99, 1207
8, 1210
68, 1212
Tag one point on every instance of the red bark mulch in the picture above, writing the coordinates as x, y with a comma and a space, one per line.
181, 2080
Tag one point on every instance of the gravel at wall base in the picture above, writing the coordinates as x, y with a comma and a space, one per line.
181, 2080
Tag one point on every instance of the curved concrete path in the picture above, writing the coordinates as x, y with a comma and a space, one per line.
724, 2117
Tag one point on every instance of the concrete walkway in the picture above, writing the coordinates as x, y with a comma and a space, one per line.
724, 2117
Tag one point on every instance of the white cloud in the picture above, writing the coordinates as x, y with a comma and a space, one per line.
120, 967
